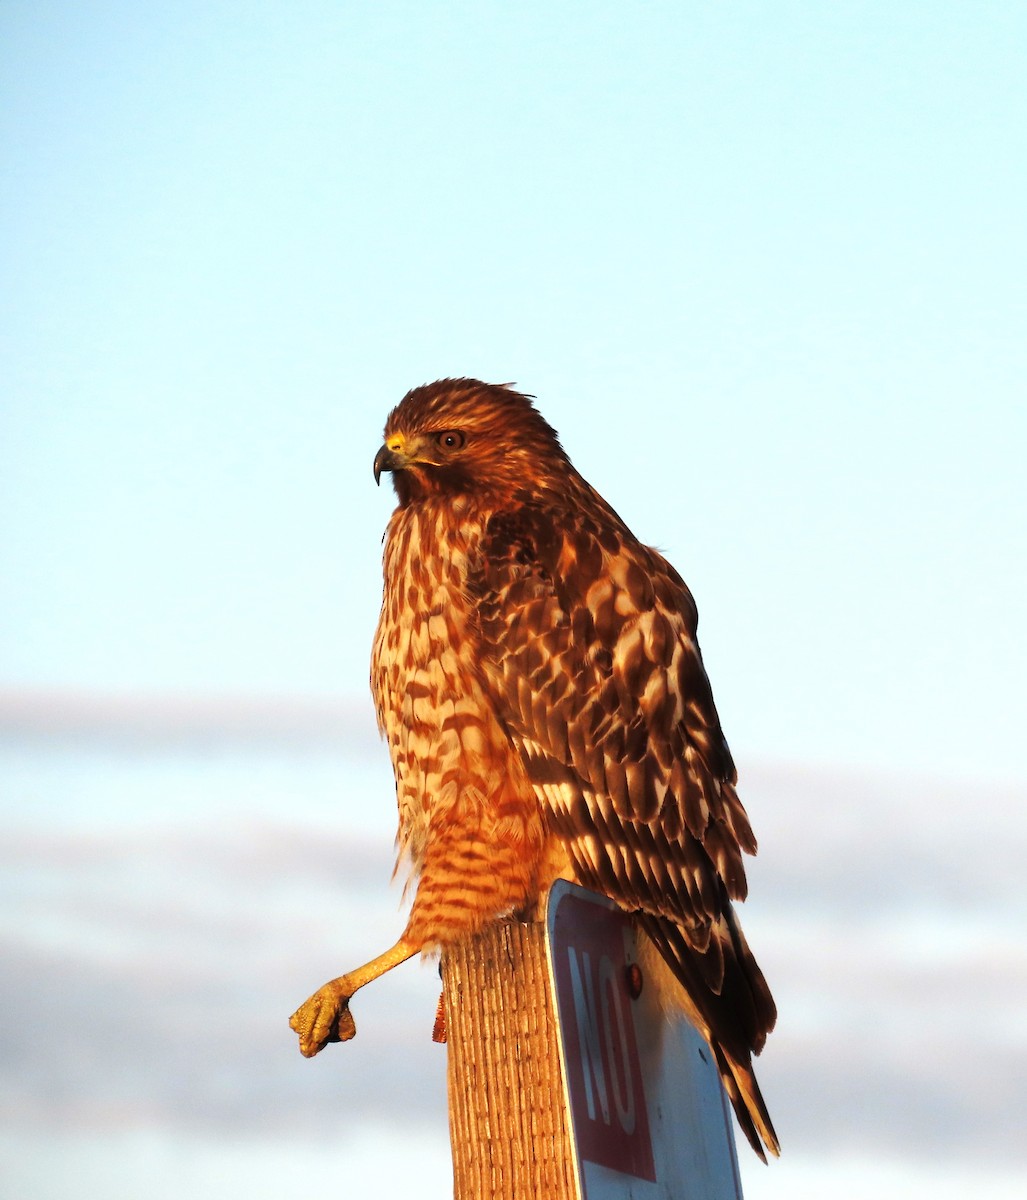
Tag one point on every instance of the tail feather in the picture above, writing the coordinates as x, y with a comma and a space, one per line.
735, 1019
747, 1100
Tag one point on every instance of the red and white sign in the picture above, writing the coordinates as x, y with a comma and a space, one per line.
604, 1074
647, 1108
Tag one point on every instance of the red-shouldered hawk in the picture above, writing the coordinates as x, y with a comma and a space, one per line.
538, 680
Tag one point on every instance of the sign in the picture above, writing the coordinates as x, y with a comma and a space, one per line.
648, 1112
604, 1074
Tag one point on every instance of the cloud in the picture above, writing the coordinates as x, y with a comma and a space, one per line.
148, 973
162, 720
888, 915
151, 978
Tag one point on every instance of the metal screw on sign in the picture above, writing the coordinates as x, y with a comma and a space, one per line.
633, 973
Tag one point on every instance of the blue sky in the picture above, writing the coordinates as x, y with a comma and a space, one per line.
764, 267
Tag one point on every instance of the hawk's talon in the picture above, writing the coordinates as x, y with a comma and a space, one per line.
325, 1018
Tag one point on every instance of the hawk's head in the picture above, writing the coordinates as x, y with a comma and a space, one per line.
461, 436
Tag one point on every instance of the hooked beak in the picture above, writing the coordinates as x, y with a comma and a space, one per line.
387, 460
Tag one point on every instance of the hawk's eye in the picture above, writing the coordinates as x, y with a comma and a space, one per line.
451, 439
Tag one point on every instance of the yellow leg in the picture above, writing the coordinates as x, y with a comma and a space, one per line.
325, 1017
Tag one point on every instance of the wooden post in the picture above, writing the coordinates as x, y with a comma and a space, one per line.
587, 1078
508, 1118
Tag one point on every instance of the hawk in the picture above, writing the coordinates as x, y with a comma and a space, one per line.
538, 680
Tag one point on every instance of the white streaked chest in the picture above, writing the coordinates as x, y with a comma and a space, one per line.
424, 671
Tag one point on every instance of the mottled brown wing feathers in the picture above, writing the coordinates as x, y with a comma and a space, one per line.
589, 651
589, 648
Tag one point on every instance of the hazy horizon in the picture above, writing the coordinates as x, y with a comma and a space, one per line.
168, 904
